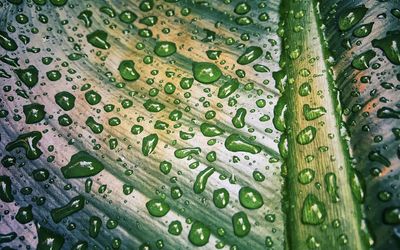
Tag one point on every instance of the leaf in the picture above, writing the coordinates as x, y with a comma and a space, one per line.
244, 148
364, 96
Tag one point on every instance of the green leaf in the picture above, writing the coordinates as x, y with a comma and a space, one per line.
177, 124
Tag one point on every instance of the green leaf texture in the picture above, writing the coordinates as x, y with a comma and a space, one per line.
185, 124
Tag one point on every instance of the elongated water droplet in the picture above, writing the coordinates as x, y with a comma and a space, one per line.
239, 119
149, 143
153, 106
94, 226
7, 237
86, 17
221, 197
94, 126
250, 198
376, 156
313, 211
201, 180
241, 224
313, 113
357, 186
185, 152
5, 189
362, 61
363, 30
228, 88
98, 39
74, 205
7, 42
48, 239
279, 113
210, 130
29, 143
331, 187
388, 113
82, 165
80, 245
306, 136
237, 143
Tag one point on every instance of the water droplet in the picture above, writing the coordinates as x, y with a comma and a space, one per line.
149, 143
228, 88
28, 142
239, 119
221, 197
390, 46
6, 189
313, 113
175, 227
306, 136
48, 239
94, 226
82, 165
313, 211
127, 70
362, 61
306, 176
242, 8
65, 100
251, 54
250, 198
210, 130
34, 113
74, 205
364, 30
391, 216
237, 143
98, 39
92, 97
206, 72
28, 76
157, 207
199, 234
241, 224
164, 48
331, 187
201, 180
351, 17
